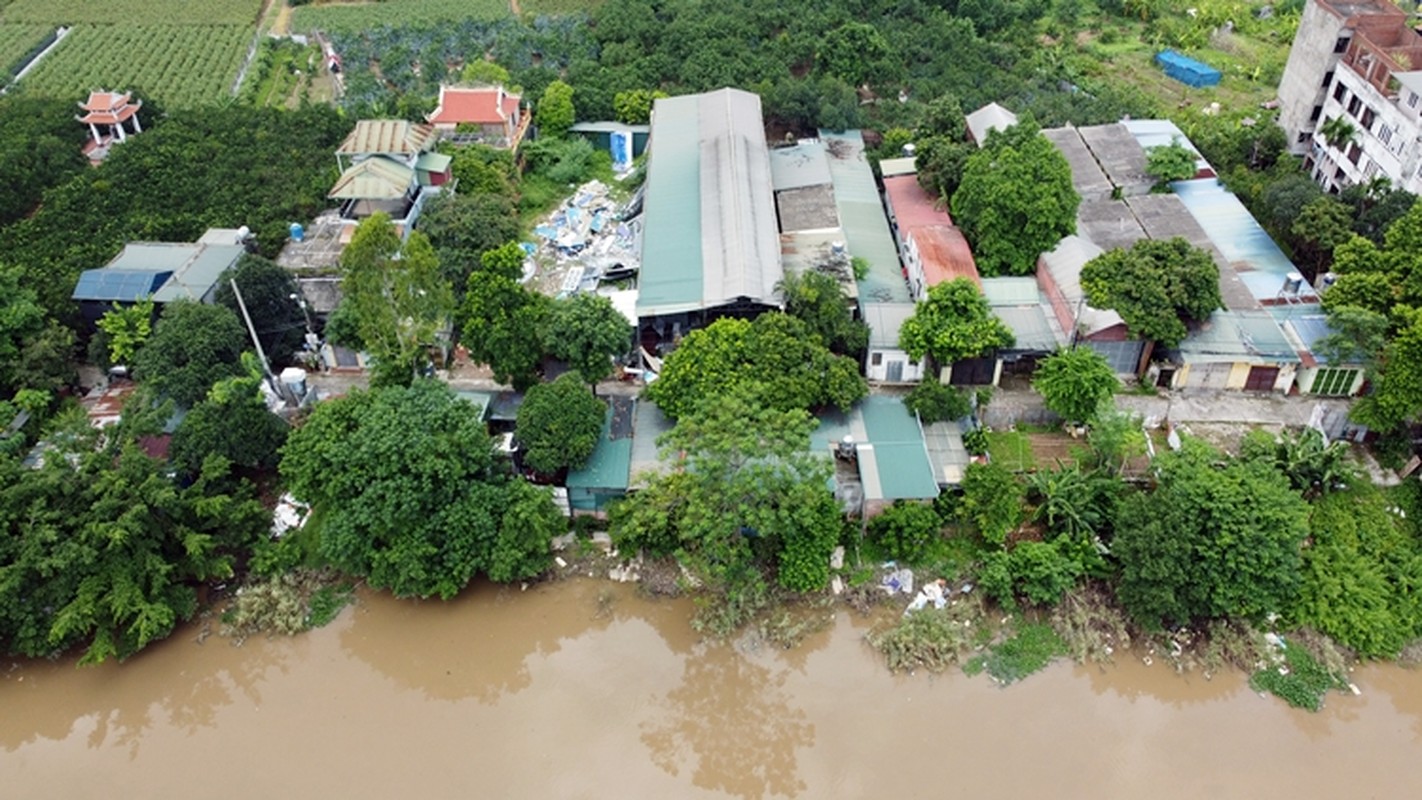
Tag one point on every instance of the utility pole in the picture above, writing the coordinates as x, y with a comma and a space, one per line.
261, 354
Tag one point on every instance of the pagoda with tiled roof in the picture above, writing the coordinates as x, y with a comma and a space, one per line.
110, 116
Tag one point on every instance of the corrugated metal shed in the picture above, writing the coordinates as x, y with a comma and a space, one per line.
1120, 156
885, 320
1063, 266
893, 456
376, 178
911, 205
1164, 217
945, 254
1245, 245
709, 231
1237, 336
1110, 223
815, 251
1030, 328
610, 465
991, 117
861, 212
196, 278
387, 136
800, 165
1161, 132
648, 425
1011, 291
480, 400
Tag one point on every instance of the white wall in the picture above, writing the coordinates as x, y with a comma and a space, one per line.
912, 372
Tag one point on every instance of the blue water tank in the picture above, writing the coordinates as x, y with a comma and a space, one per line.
297, 232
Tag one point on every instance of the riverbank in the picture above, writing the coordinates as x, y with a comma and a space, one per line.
554, 692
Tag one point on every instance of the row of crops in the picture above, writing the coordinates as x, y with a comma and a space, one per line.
395, 13
155, 12
414, 60
18, 44
178, 66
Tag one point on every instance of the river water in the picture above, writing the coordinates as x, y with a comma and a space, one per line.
582, 689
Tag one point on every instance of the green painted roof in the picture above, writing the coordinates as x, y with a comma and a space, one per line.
861, 214
610, 465
376, 178
433, 162
709, 231
201, 272
900, 456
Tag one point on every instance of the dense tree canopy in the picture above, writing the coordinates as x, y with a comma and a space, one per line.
775, 358
1074, 383
408, 490
818, 300
1211, 541
463, 227
233, 422
39, 148
273, 301
955, 323
587, 332
394, 293
192, 347
1156, 286
555, 113
1015, 201
503, 326
99, 548
559, 424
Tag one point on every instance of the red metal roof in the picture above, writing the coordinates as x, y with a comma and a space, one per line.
484, 105
912, 206
105, 101
945, 254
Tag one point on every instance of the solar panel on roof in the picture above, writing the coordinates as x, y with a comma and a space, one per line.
119, 285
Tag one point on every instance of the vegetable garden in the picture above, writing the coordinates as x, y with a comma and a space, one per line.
179, 66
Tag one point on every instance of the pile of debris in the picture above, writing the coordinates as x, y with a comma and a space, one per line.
589, 239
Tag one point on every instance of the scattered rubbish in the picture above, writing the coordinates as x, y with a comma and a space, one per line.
837, 558
560, 562
602, 539
563, 542
898, 581
1275, 640
837, 585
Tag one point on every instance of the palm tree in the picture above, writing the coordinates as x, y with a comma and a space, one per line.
1338, 132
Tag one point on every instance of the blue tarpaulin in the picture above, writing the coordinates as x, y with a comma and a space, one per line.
1187, 70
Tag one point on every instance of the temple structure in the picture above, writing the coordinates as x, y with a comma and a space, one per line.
111, 117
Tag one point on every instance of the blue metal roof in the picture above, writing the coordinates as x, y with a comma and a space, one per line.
1238, 236
119, 285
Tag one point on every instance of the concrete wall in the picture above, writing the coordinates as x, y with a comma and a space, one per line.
1229, 376
1312, 56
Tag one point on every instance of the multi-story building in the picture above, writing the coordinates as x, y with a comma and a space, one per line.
1351, 95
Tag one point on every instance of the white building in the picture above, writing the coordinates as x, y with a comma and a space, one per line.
1358, 61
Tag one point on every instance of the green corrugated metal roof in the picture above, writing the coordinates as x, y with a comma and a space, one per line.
670, 277
376, 178
609, 466
1011, 291
200, 274
433, 162
861, 214
900, 455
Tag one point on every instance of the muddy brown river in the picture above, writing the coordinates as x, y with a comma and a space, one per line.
551, 693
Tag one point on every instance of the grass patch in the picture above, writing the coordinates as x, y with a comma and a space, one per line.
1091, 626
326, 604
286, 604
1011, 449
1031, 647
1300, 679
931, 639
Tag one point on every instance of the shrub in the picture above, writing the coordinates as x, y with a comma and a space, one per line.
934, 402
906, 531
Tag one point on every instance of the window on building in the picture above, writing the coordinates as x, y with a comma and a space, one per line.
1339, 92
1338, 175
1317, 112
1334, 382
1368, 117
1304, 136
877, 359
1327, 78
1385, 134
1354, 152
1354, 106
1371, 169
1342, 44
1412, 99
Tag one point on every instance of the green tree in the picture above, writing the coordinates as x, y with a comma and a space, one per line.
482, 72
1015, 201
530, 521
1313, 465
464, 227
1397, 392
1074, 383
504, 326
775, 358
634, 106
940, 162
587, 332
1211, 542
192, 347
853, 52
907, 531
506, 260
100, 549
273, 301
819, 301
1072, 502
953, 324
406, 484
21, 319
1040, 572
1322, 225
234, 423
46, 360
1172, 162
559, 424
395, 294
992, 501
555, 114
943, 116
1369, 292
748, 496
1155, 286
1338, 132
934, 402
126, 329
1358, 336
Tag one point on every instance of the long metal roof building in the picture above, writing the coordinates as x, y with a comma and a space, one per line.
709, 232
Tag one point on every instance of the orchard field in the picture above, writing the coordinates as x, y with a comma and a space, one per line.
349, 18
178, 53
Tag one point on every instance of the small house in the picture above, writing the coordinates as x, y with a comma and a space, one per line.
989, 118
490, 114
160, 271
607, 474
388, 165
